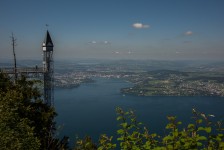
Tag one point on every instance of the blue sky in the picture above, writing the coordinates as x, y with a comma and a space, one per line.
115, 29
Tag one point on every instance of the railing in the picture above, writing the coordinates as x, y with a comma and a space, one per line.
25, 70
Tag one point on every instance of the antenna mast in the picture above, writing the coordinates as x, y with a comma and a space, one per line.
14, 55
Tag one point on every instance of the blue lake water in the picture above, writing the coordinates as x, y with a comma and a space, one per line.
90, 109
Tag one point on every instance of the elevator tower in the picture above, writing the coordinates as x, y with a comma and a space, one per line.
48, 70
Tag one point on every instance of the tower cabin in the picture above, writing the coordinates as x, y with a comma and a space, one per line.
47, 52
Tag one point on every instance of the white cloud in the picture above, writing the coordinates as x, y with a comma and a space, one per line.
140, 26
188, 33
99, 42
115, 52
106, 42
92, 42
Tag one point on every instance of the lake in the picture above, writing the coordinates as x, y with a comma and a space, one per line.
90, 108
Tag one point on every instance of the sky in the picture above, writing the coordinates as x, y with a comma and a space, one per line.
114, 29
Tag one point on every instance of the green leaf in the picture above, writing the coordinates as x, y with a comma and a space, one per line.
201, 138
120, 138
199, 121
167, 138
171, 118
208, 129
100, 148
221, 145
153, 135
191, 126
199, 144
169, 126
120, 131
124, 125
201, 129
119, 118
175, 133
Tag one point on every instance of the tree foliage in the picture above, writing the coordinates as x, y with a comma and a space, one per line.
25, 121
132, 135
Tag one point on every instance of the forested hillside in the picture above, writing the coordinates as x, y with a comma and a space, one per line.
25, 121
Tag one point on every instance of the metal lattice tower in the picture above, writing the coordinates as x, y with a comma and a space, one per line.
48, 70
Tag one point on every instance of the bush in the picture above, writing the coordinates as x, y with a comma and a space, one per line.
201, 134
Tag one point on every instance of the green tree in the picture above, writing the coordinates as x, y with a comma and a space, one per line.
16, 131
25, 121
